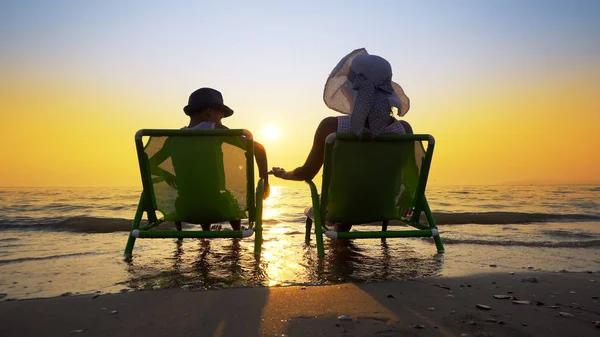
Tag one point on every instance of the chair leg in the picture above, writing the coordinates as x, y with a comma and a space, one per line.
431, 221
236, 225
135, 225
258, 238
438, 244
129, 248
319, 234
178, 225
309, 223
317, 218
258, 230
384, 227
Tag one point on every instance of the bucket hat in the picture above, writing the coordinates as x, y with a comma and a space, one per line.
206, 98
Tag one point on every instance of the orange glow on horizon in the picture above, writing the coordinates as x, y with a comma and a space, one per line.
72, 139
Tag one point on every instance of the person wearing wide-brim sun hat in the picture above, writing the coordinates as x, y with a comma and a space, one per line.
361, 87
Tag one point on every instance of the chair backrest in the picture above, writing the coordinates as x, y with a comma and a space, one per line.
376, 179
198, 176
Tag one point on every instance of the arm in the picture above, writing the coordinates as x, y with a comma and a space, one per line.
261, 160
154, 165
260, 155
315, 158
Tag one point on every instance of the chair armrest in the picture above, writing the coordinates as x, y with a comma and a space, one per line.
260, 190
314, 193
316, 203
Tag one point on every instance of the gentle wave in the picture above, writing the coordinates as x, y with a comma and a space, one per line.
505, 218
549, 244
75, 224
53, 257
108, 225
567, 234
9, 239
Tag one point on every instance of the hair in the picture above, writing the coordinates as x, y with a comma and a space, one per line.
199, 111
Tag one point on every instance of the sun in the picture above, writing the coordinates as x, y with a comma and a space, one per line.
271, 132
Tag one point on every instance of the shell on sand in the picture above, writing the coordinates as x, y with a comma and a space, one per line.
344, 318
483, 307
502, 297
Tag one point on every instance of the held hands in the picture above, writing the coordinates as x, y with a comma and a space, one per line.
279, 173
295, 174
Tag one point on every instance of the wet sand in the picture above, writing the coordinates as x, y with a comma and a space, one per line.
548, 304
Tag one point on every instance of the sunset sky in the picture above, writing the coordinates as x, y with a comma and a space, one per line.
509, 88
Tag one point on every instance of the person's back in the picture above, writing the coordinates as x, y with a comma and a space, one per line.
206, 111
200, 175
344, 124
202, 126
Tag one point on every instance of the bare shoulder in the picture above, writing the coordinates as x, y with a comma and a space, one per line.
407, 127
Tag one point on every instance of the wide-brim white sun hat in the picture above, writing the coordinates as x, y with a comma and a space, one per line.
339, 94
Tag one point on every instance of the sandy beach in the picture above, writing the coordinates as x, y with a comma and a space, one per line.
533, 304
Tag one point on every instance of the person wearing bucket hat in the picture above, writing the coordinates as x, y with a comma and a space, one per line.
361, 87
205, 105
206, 110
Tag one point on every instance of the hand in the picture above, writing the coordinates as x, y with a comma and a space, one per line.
278, 172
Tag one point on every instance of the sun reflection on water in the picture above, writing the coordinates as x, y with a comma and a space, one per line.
286, 258
271, 206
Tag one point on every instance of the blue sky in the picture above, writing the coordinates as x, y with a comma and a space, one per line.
295, 44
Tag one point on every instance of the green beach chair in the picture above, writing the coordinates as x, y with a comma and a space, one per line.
374, 180
198, 177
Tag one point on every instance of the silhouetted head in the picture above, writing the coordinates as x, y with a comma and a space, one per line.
207, 101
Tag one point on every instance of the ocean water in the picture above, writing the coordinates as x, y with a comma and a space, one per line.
61, 241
